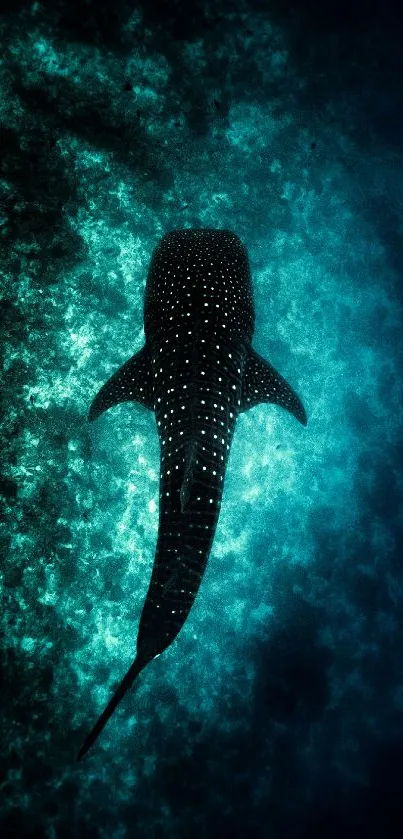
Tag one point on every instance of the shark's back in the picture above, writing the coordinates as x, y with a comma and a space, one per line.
197, 372
199, 320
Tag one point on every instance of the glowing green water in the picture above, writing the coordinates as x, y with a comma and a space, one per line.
281, 668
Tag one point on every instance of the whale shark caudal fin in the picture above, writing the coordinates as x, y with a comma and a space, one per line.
123, 687
262, 383
131, 383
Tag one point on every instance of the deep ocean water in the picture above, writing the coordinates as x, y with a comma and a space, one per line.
278, 711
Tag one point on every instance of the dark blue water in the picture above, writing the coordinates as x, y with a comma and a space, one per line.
278, 710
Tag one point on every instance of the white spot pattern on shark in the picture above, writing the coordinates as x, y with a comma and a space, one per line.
197, 372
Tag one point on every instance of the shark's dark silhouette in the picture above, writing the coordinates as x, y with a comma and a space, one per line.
197, 372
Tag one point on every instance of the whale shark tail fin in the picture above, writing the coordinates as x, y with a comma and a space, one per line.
126, 683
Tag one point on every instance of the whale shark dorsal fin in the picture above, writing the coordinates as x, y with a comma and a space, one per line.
262, 383
188, 476
131, 383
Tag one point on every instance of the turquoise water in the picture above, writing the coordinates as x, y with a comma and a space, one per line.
278, 709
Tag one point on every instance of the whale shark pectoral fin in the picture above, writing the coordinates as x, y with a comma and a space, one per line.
131, 383
262, 383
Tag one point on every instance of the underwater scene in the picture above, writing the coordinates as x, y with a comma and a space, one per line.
201, 518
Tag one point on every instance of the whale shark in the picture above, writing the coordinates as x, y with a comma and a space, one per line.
197, 372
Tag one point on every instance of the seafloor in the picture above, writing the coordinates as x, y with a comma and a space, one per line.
278, 711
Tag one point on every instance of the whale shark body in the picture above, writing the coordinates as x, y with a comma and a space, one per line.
197, 372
